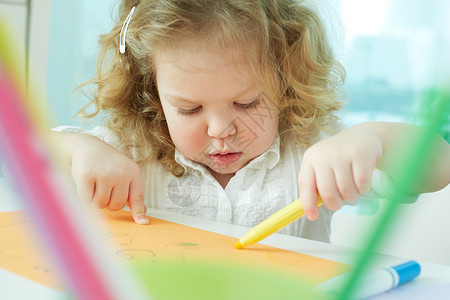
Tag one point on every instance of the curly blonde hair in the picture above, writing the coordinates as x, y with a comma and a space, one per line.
294, 63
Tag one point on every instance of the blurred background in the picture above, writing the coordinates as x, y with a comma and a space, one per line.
395, 53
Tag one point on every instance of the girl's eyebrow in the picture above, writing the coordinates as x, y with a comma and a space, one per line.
192, 100
180, 98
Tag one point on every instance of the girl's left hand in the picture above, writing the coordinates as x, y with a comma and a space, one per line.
338, 168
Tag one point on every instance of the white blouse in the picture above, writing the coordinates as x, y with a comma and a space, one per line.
262, 187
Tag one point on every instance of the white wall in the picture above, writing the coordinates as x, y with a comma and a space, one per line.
420, 231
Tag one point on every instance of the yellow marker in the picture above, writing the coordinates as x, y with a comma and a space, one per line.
274, 223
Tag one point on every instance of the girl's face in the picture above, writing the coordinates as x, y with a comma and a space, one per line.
215, 114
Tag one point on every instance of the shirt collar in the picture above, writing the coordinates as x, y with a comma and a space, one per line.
270, 158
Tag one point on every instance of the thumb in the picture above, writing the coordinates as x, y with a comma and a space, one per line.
136, 202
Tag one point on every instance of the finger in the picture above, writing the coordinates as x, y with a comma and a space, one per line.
362, 174
102, 194
327, 188
308, 192
85, 189
119, 197
136, 201
345, 182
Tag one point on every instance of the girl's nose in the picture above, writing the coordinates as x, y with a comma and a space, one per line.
222, 125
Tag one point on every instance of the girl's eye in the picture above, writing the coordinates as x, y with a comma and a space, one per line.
250, 105
188, 112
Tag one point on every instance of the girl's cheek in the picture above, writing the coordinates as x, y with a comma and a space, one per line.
259, 122
189, 137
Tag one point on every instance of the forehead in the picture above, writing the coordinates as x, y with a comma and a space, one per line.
197, 55
193, 61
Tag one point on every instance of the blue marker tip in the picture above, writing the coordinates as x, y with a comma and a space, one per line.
407, 271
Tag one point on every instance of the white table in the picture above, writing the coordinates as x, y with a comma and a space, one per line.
433, 278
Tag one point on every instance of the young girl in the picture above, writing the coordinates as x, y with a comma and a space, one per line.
226, 110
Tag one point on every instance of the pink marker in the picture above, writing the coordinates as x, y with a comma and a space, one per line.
85, 268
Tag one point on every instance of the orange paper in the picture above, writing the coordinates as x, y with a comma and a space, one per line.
161, 242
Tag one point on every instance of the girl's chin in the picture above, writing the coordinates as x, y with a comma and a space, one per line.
227, 169
223, 170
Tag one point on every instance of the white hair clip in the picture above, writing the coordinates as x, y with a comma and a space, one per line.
123, 32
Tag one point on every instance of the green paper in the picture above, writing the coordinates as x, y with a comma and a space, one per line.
202, 280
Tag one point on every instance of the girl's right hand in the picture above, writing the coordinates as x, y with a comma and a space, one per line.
106, 177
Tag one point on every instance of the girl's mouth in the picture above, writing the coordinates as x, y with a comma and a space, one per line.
225, 159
